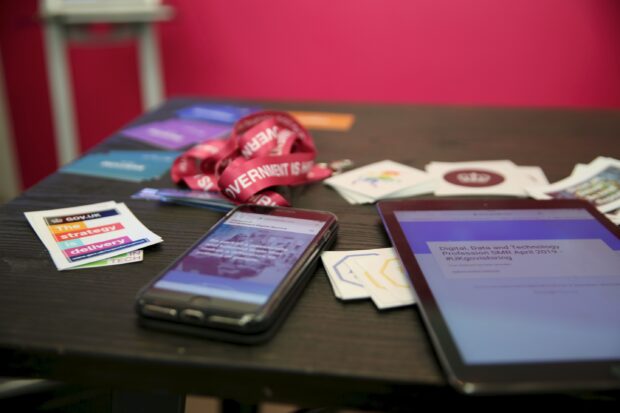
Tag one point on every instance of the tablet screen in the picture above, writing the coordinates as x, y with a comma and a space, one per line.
517, 295
521, 285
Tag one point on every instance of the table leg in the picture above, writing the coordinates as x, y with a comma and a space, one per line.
134, 401
233, 406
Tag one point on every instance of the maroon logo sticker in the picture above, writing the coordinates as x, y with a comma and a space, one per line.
476, 178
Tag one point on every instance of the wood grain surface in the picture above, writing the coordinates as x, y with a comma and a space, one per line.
80, 326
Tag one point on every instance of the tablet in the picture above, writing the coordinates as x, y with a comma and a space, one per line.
517, 295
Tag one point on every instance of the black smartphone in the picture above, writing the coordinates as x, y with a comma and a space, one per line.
238, 281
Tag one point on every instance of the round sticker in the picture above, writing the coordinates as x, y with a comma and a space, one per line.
476, 178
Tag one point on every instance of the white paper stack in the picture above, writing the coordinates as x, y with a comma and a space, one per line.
501, 177
126, 258
375, 274
104, 233
597, 182
381, 180
614, 216
389, 180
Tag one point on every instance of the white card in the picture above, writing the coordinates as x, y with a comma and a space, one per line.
614, 216
427, 187
581, 168
578, 168
379, 295
378, 180
375, 273
384, 278
478, 178
534, 175
352, 197
598, 182
89, 233
126, 258
344, 281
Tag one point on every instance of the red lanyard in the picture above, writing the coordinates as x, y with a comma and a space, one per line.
265, 149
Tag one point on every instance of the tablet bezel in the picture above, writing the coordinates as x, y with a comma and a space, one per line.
496, 378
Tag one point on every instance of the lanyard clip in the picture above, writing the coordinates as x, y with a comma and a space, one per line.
339, 166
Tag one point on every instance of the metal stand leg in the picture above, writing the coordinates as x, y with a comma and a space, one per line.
9, 176
59, 77
61, 93
150, 75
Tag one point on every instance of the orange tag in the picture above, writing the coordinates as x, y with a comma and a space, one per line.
325, 120
68, 227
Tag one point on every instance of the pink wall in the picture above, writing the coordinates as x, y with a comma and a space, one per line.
545, 53
480, 52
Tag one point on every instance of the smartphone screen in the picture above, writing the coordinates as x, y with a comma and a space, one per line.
244, 258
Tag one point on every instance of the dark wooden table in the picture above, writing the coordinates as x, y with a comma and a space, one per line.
80, 327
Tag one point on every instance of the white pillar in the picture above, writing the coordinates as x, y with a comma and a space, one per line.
150, 76
9, 175
59, 78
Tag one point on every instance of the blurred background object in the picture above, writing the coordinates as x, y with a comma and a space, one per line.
9, 180
531, 53
66, 20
